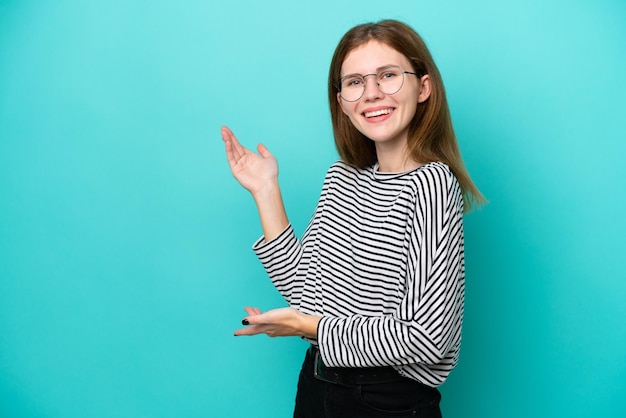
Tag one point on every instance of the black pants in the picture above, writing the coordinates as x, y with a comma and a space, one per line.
402, 398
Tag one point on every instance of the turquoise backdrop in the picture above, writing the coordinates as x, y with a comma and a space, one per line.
125, 256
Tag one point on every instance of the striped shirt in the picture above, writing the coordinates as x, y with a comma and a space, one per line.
382, 261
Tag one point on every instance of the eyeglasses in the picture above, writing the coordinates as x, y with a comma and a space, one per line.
389, 79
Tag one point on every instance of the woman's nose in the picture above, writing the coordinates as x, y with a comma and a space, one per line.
372, 89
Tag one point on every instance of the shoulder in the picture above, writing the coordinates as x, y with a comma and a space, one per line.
342, 166
437, 173
435, 180
344, 170
434, 168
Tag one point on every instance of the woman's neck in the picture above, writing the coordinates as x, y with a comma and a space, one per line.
395, 161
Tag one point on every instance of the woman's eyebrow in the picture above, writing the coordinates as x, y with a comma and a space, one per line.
377, 70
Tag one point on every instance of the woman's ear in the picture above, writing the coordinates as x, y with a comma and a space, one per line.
340, 103
424, 93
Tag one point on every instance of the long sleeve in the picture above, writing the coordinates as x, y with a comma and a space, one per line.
280, 258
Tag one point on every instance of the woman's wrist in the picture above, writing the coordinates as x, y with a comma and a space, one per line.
271, 209
309, 324
269, 188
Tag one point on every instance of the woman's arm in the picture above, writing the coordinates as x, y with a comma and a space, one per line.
258, 173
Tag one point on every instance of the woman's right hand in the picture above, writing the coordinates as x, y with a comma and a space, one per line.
253, 171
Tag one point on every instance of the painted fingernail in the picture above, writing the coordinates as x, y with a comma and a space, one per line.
245, 322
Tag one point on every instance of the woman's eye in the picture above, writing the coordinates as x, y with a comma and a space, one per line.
353, 82
388, 75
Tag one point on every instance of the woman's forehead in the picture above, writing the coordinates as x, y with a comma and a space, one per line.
371, 56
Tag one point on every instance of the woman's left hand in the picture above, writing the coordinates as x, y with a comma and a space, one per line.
281, 322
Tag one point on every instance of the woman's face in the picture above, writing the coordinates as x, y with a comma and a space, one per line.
383, 118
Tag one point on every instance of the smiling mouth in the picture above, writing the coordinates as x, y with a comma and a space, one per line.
378, 113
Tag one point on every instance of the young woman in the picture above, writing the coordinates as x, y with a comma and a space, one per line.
376, 284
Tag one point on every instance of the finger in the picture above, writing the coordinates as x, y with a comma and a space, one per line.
234, 150
265, 153
257, 317
229, 136
231, 155
252, 311
253, 330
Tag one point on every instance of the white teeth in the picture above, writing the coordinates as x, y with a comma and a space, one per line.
377, 113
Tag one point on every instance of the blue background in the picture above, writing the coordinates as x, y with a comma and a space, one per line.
125, 256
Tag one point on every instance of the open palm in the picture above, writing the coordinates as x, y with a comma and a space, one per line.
253, 171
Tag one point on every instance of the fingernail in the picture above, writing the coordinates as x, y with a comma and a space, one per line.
245, 322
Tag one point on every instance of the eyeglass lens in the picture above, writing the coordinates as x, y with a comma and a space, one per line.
390, 81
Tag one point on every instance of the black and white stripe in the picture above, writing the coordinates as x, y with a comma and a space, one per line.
382, 260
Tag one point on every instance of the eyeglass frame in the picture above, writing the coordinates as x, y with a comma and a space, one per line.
402, 71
